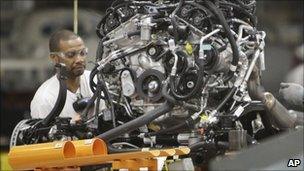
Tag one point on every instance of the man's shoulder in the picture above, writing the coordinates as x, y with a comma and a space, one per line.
49, 85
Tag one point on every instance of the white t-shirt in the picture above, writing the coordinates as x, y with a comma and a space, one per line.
46, 96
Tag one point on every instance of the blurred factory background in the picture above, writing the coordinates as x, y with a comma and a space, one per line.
26, 26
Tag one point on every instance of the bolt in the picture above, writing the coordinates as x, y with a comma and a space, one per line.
190, 84
153, 86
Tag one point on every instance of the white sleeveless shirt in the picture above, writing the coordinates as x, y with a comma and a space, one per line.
46, 96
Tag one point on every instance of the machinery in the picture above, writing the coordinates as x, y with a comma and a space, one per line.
173, 73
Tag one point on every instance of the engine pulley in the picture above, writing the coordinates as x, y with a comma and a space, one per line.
111, 23
148, 85
154, 51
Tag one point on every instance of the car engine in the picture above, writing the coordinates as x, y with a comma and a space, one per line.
175, 73
197, 56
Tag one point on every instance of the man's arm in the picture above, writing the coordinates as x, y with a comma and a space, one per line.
39, 107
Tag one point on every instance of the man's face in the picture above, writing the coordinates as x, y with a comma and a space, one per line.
74, 56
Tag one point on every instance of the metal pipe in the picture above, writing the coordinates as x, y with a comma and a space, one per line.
274, 108
75, 16
249, 71
239, 21
278, 112
201, 50
241, 30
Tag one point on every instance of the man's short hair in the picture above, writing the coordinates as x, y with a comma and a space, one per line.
60, 35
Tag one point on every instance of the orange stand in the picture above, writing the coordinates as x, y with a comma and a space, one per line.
84, 153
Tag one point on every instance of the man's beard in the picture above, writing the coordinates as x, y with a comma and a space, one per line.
76, 72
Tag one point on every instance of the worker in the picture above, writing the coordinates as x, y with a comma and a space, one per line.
68, 48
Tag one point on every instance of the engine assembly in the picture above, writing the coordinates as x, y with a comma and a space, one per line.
177, 73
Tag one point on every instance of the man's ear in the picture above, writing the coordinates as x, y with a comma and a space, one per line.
54, 58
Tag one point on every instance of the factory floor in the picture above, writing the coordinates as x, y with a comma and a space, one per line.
4, 162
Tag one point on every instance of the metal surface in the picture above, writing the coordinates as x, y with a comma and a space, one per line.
272, 154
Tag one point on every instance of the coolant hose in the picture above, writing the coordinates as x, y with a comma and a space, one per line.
136, 123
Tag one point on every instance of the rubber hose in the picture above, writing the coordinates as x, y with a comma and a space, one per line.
226, 98
166, 95
197, 87
136, 123
188, 122
208, 145
251, 17
174, 22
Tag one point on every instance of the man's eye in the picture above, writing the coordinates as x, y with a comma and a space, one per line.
83, 52
70, 54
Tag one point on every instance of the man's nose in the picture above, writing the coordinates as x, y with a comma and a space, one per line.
79, 58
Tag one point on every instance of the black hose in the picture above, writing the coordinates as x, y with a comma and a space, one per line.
60, 101
189, 122
97, 95
226, 98
216, 12
172, 100
197, 87
199, 84
166, 95
251, 17
93, 73
227, 30
174, 22
174, 93
108, 98
136, 123
89, 105
209, 145
103, 88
